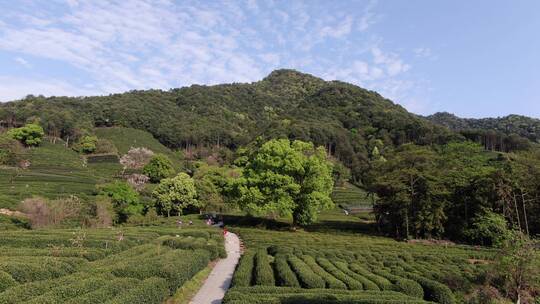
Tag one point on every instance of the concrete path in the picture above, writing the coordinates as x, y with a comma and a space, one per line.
219, 280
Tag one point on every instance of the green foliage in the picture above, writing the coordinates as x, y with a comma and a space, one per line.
175, 194
507, 133
285, 276
286, 178
214, 185
340, 265
517, 266
306, 275
159, 167
30, 135
6, 281
244, 270
88, 144
137, 268
125, 199
11, 151
287, 295
489, 229
263, 273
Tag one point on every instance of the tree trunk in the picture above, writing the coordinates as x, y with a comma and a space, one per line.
523, 202
517, 211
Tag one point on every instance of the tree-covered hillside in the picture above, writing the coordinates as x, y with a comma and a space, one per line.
424, 179
501, 133
348, 120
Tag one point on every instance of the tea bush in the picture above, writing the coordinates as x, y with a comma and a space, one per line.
131, 265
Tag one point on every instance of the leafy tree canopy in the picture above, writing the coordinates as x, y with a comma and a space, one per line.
175, 194
30, 135
286, 178
125, 199
159, 167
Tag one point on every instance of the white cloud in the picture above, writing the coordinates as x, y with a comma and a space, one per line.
422, 52
392, 64
23, 62
339, 30
368, 18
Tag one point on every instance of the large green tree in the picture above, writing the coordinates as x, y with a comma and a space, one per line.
409, 192
286, 178
175, 194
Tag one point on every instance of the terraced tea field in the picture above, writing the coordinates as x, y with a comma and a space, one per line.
129, 265
54, 171
351, 197
301, 267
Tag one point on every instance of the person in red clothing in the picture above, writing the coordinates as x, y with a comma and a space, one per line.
224, 231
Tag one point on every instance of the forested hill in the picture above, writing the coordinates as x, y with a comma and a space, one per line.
522, 126
348, 120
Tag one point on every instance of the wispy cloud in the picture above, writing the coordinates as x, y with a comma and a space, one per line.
23, 62
139, 44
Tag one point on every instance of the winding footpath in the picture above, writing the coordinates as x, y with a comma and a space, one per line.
219, 280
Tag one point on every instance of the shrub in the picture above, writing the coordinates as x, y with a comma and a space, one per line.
11, 150
150, 291
216, 249
43, 213
105, 293
434, 291
243, 274
350, 281
30, 134
307, 277
408, 287
331, 281
125, 199
264, 275
365, 277
105, 146
6, 281
285, 276
159, 167
87, 144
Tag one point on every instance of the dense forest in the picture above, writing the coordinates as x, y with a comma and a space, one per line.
436, 176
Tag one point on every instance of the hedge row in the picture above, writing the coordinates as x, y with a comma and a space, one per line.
29, 270
146, 273
150, 291
375, 282
331, 281
244, 270
406, 286
273, 295
285, 276
264, 275
216, 250
307, 277
433, 290
351, 282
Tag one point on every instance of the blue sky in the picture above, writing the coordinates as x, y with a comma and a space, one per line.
473, 58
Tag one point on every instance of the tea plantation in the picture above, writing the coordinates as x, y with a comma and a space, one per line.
302, 267
128, 265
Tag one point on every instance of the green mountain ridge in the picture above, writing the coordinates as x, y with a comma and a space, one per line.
348, 120
524, 126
